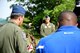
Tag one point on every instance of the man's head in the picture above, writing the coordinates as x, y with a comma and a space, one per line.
47, 19
67, 18
17, 14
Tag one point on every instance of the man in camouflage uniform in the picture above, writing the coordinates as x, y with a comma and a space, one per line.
12, 38
47, 27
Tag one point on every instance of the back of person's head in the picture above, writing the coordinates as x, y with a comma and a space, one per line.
17, 15
17, 11
67, 18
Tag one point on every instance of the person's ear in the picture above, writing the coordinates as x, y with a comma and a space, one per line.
77, 24
19, 18
57, 23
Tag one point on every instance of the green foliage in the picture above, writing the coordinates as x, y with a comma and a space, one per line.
27, 20
47, 12
65, 5
47, 7
37, 21
44, 7
52, 8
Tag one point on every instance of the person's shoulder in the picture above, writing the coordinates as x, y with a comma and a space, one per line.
12, 26
43, 24
78, 30
51, 36
52, 24
7, 25
45, 39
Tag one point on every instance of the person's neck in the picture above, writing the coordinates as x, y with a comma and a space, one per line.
47, 23
14, 21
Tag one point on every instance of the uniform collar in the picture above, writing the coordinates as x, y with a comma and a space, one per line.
12, 22
68, 28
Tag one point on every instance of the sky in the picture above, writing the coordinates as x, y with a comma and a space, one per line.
5, 10
26, 0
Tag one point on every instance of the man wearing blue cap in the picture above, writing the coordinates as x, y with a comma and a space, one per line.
12, 38
65, 40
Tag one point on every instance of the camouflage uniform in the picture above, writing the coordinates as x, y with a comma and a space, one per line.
46, 30
12, 39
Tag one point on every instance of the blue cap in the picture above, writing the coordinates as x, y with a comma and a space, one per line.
18, 10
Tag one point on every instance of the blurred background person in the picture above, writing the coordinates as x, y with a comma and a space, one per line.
47, 27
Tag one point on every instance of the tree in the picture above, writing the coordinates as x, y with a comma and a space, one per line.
40, 8
65, 5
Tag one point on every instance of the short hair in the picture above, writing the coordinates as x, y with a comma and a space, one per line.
60, 17
45, 17
14, 16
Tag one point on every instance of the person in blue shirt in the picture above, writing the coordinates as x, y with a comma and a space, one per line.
65, 40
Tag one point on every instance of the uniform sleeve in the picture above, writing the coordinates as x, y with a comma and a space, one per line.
21, 42
42, 30
53, 27
40, 47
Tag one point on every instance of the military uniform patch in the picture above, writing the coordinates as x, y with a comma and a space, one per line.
23, 35
45, 26
49, 26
